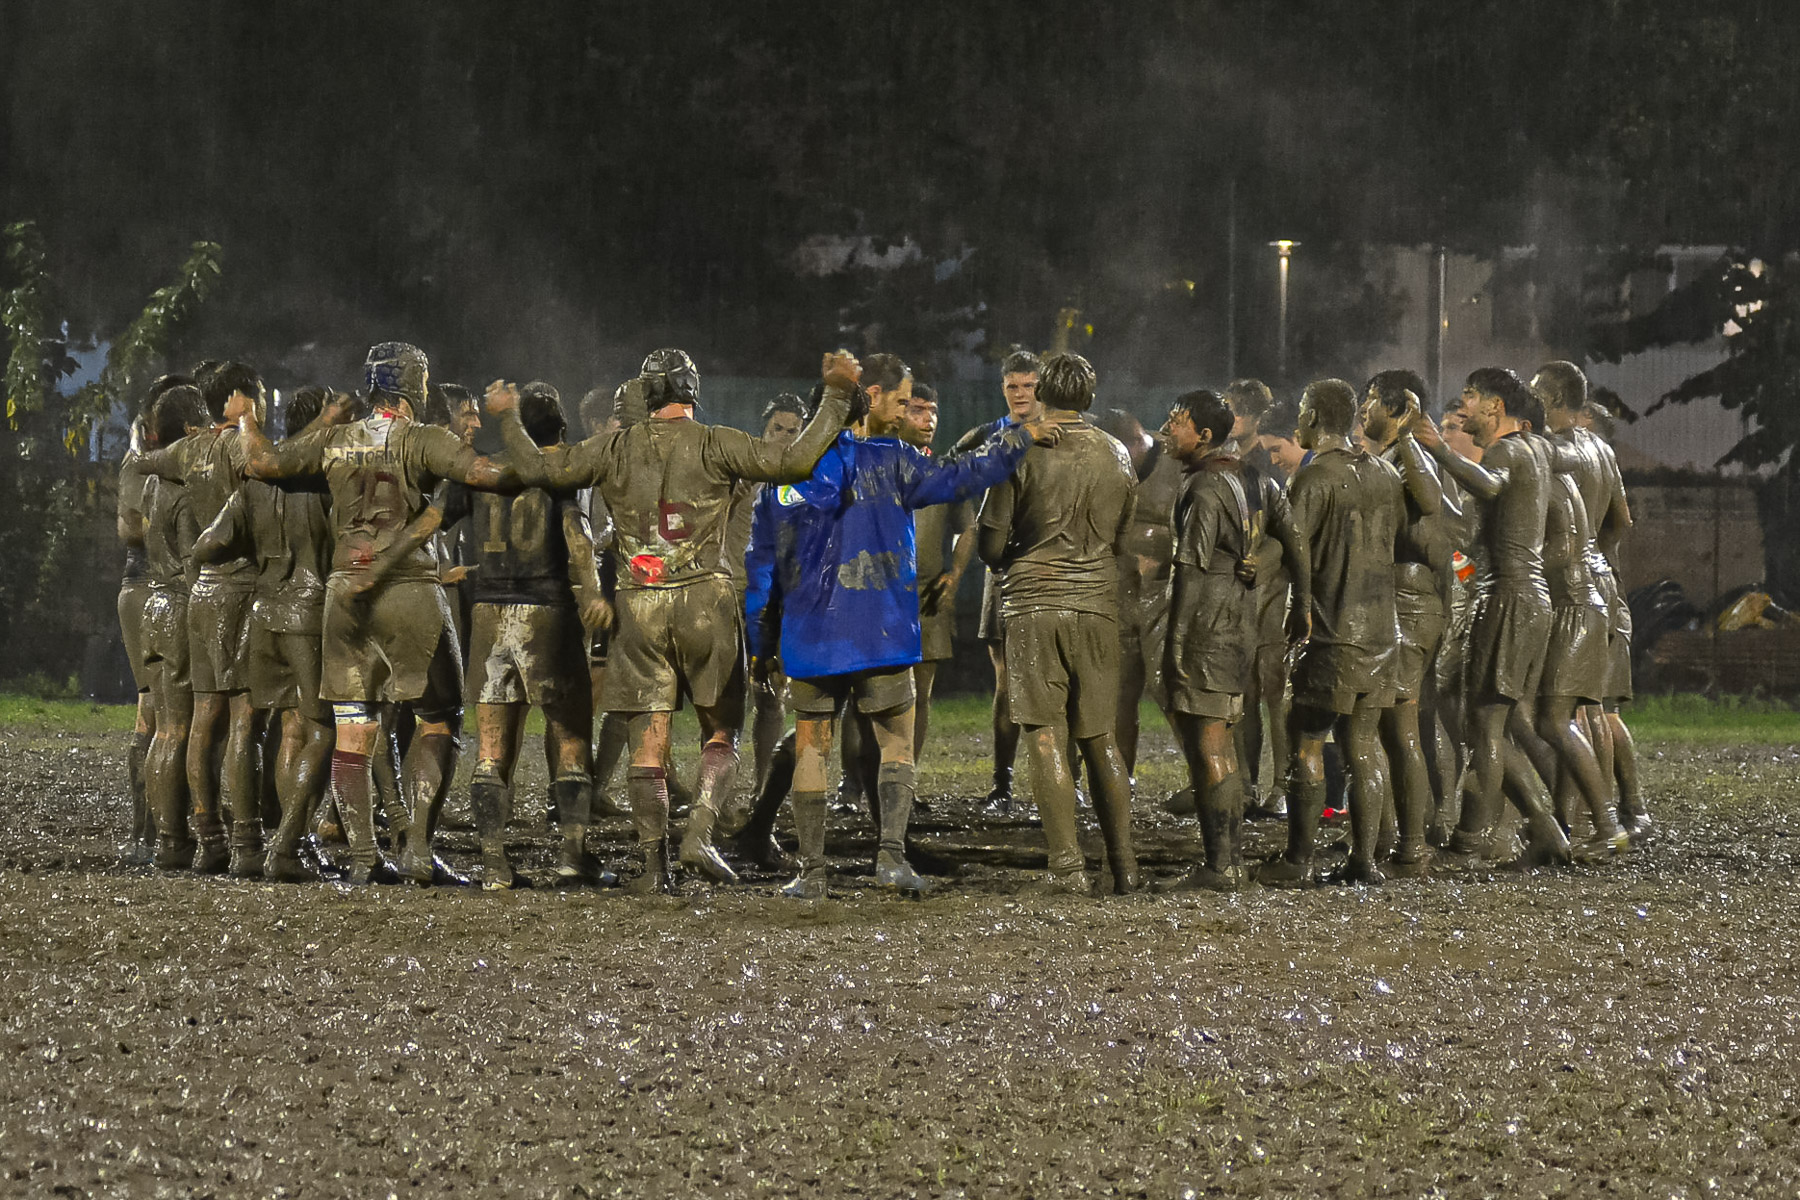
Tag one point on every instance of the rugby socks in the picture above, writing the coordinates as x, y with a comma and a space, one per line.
350, 781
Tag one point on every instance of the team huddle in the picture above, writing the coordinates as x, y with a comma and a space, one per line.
1425, 612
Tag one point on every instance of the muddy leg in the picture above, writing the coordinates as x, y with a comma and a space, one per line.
141, 848
301, 769
1210, 747
1006, 734
1359, 735
1053, 791
241, 786
1307, 728
1411, 783
1112, 804
609, 748
165, 777
1481, 807
350, 780
1557, 724
207, 731
1131, 691
718, 768
812, 746
1632, 811
647, 784
924, 677
498, 729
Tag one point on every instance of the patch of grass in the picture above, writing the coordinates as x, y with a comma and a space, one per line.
1694, 719
64, 716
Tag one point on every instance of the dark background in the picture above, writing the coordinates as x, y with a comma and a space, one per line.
550, 190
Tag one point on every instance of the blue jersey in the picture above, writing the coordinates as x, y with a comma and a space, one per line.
833, 570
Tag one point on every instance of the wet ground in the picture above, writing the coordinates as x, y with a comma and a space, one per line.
1630, 1029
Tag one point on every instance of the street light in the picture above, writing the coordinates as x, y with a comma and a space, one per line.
1284, 249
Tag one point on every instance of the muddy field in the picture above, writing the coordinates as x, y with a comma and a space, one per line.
1632, 1029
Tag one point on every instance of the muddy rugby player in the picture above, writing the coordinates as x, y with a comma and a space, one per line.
834, 593
1052, 534
1535, 520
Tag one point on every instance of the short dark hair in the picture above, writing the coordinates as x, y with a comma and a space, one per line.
924, 391
1562, 385
594, 409
158, 386
1283, 418
1021, 362
1249, 398
436, 410
1390, 388
1531, 411
1067, 382
1208, 411
1504, 383
228, 378
884, 371
541, 412
1334, 401
177, 409
787, 402
303, 408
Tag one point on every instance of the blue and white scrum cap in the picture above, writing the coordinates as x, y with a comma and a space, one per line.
399, 370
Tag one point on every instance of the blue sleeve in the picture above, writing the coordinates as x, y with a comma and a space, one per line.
759, 566
925, 481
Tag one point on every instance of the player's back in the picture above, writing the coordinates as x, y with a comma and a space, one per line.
1071, 502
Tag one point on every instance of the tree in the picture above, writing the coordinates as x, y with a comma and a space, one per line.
55, 501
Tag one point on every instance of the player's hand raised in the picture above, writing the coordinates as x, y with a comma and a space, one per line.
501, 397
840, 370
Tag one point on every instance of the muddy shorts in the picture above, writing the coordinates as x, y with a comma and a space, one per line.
219, 637
1063, 666
284, 671
1421, 630
134, 594
1506, 646
1575, 660
166, 640
992, 627
1143, 635
525, 654
400, 644
1208, 659
1333, 677
1451, 665
673, 641
1618, 638
880, 690
937, 632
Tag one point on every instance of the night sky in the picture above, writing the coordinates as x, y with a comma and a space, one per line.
552, 189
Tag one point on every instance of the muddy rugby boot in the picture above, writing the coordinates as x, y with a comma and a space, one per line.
174, 854
1601, 846
718, 764
246, 862
361, 874
812, 883
1202, 878
213, 857
576, 865
1410, 861
1284, 872
655, 878
1066, 883
285, 867
999, 800
761, 851
1361, 871
698, 852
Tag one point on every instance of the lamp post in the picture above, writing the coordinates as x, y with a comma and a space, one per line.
1284, 250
